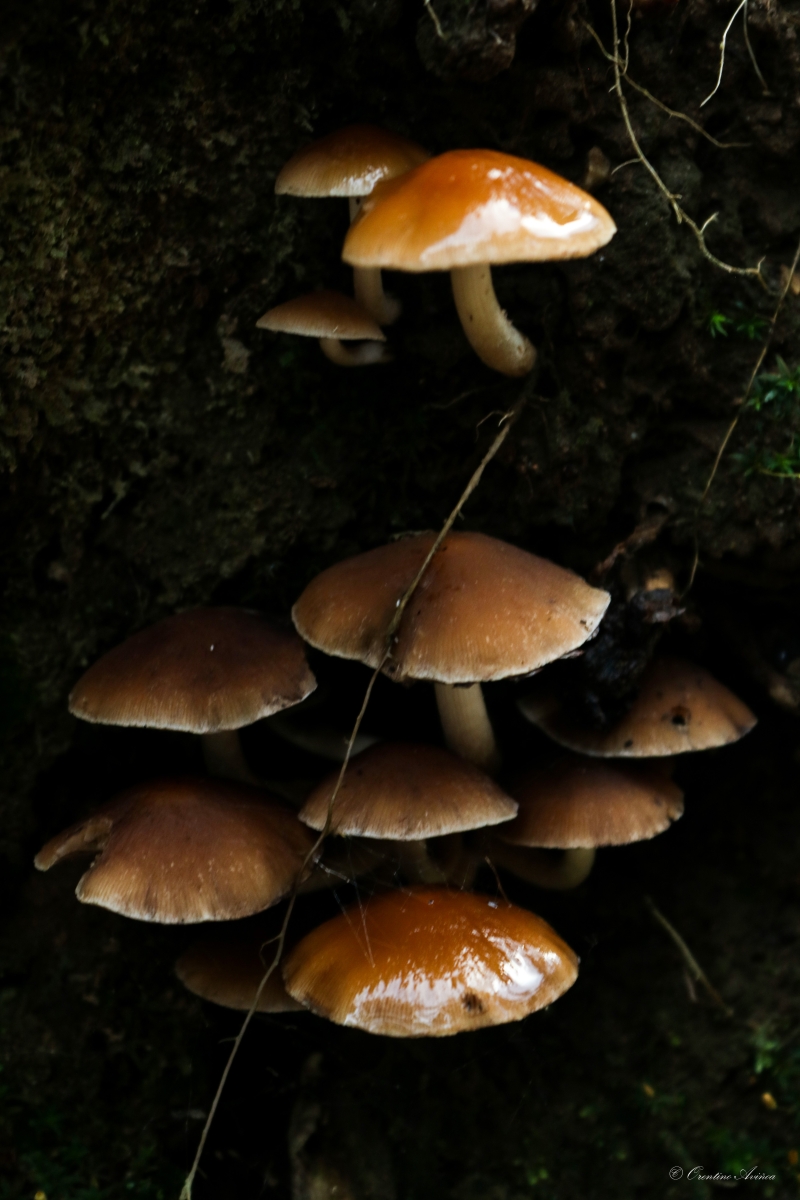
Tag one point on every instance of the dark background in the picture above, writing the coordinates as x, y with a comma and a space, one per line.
157, 451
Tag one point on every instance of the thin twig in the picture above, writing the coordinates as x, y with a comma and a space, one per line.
506, 421
732, 427
681, 215
692, 965
756, 67
432, 13
671, 112
743, 4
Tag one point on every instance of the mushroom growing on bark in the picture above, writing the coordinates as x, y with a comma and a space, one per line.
465, 211
679, 707
429, 962
208, 671
576, 805
334, 319
350, 162
408, 794
180, 851
483, 610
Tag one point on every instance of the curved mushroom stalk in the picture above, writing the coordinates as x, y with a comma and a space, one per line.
224, 757
465, 722
361, 355
554, 869
490, 333
368, 285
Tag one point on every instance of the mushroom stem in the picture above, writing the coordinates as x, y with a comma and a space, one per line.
465, 722
359, 355
225, 759
489, 331
368, 285
541, 868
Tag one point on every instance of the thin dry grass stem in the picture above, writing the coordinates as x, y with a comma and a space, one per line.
437, 23
693, 967
722, 45
732, 427
750, 51
681, 216
507, 420
671, 112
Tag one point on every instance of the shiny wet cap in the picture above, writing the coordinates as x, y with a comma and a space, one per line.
467, 207
429, 962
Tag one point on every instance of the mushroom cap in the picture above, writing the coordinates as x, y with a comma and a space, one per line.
408, 792
228, 971
179, 851
323, 315
428, 962
200, 671
475, 206
679, 707
348, 162
575, 803
483, 609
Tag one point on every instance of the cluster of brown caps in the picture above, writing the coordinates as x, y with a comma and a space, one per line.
429, 957
461, 212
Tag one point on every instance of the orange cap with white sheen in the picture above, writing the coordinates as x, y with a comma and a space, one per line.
475, 206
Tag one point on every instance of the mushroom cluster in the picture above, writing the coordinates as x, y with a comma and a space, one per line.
423, 954
463, 212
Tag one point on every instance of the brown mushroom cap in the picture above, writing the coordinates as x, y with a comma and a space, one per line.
408, 792
679, 707
575, 803
228, 971
201, 671
429, 962
483, 610
323, 315
475, 206
348, 162
180, 851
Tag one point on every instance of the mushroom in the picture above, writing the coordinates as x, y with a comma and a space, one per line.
429, 962
178, 851
228, 971
208, 671
334, 319
576, 805
466, 210
483, 610
407, 794
679, 707
350, 162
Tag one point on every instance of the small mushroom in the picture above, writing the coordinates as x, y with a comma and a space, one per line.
484, 610
576, 805
408, 794
208, 671
334, 319
179, 851
429, 962
350, 162
465, 211
228, 971
679, 707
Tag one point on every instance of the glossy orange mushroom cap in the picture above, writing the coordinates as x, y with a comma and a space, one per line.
429, 963
475, 206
